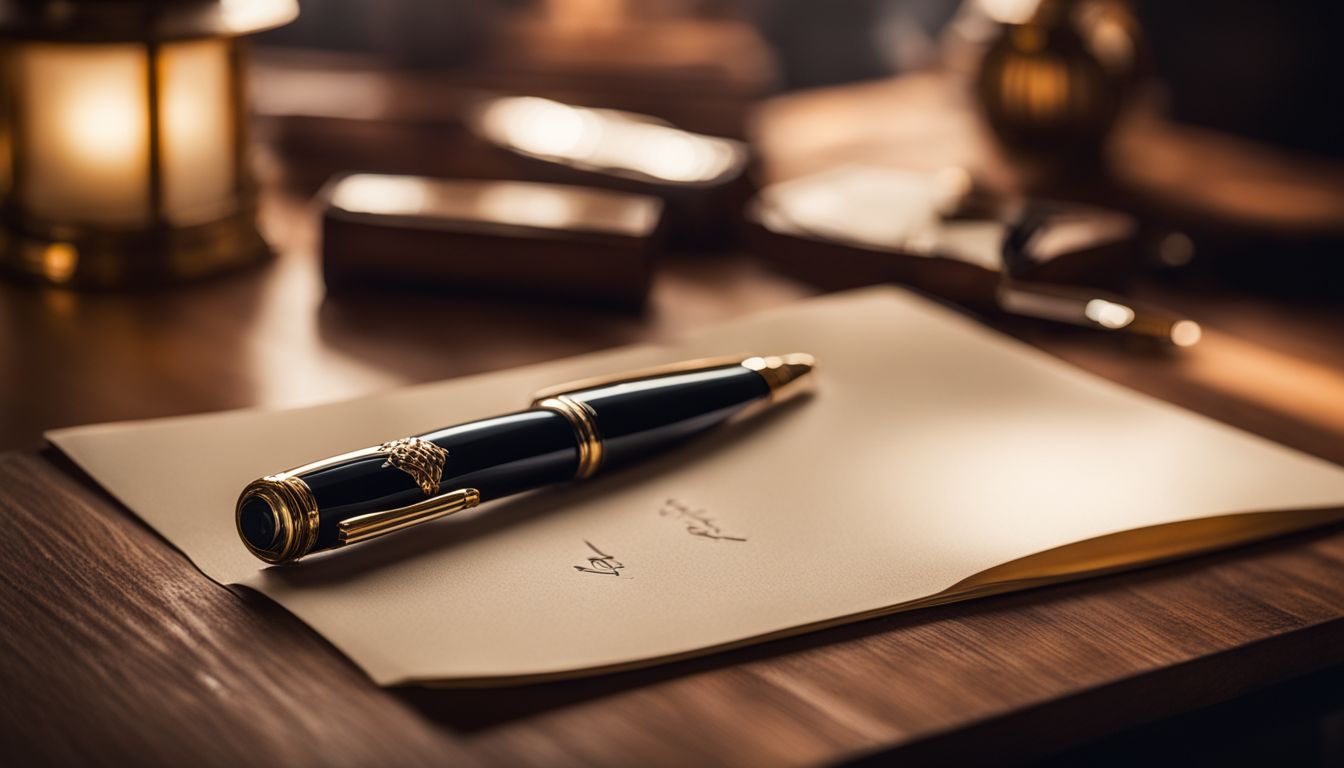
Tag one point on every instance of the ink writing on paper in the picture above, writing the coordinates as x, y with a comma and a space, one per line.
696, 521
600, 563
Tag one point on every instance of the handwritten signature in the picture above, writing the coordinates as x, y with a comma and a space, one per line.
603, 564
697, 521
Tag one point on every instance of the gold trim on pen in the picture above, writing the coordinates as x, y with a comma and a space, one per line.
583, 419
294, 509
594, 382
787, 375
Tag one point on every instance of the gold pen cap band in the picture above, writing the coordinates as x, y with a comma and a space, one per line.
581, 417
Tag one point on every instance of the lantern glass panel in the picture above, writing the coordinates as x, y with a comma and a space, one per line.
198, 141
83, 133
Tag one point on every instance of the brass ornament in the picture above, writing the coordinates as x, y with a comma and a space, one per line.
419, 458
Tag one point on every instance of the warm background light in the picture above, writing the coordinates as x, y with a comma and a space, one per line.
85, 121
199, 165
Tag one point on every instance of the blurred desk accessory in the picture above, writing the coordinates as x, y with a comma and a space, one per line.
700, 179
1215, 205
423, 125
861, 225
1028, 239
325, 113
125, 140
700, 73
1053, 82
504, 237
1090, 308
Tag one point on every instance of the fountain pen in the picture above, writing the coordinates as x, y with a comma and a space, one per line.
570, 433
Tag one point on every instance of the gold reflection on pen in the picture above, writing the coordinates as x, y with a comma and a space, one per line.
604, 140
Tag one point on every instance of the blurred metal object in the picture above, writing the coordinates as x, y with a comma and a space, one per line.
1031, 237
1090, 308
1053, 83
941, 232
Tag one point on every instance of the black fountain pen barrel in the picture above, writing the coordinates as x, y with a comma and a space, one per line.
570, 433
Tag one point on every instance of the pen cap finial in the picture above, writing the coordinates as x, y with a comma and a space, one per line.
277, 518
788, 375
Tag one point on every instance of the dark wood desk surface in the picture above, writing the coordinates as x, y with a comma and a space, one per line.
114, 649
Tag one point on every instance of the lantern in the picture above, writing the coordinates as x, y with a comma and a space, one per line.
122, 143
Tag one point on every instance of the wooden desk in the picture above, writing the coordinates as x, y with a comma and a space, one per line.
115, 649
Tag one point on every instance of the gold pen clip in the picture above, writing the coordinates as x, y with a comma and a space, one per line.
375, 524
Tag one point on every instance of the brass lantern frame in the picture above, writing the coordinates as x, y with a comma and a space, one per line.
156, 251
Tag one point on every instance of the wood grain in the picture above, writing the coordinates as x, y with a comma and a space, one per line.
116, 650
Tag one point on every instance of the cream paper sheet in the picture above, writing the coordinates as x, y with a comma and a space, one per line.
938, 460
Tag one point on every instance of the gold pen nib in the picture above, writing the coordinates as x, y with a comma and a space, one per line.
788, 375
